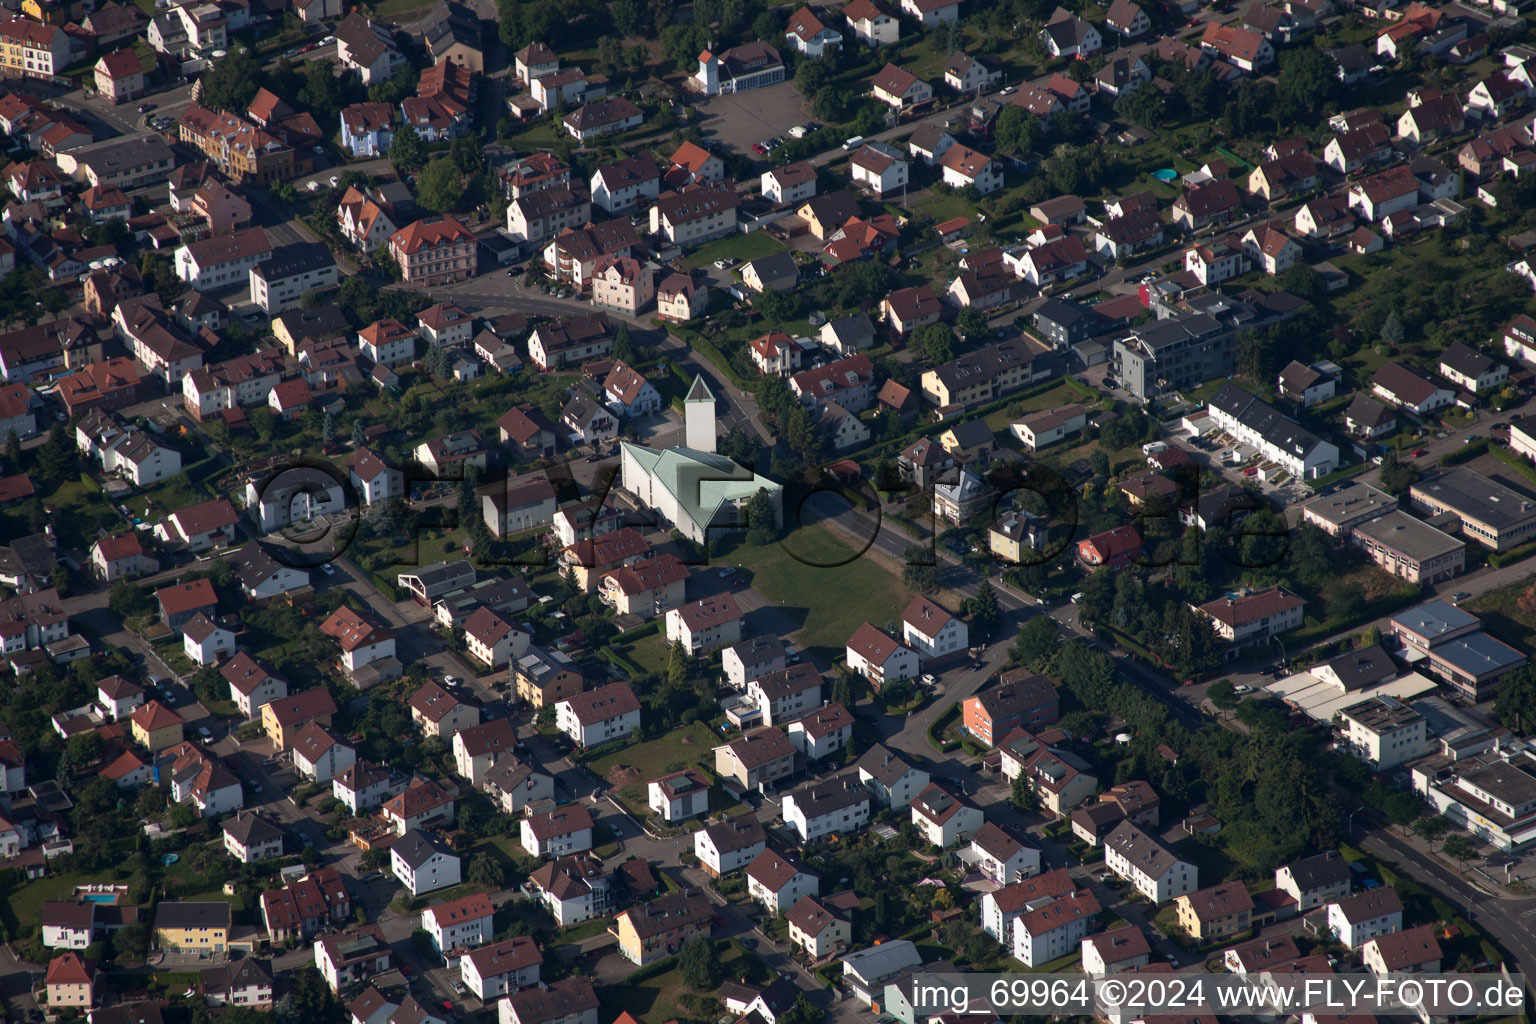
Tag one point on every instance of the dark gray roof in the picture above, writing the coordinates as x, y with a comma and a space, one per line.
855, 329
883, 765
1477, 497
1265, 420
251, 829
293, 260
1367, 412
178, 914
1319, 871
774, 267
1364, 667
415, 848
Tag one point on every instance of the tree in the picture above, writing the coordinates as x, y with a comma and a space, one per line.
1460, 846
127, 601
132, 940
700, 968
934, 342
231, 82
811, 76
972, 323
359, 434
919, 571
57, 459
677, 664
986, 613
484, 870
1392, 330
762, 519
438, 187
405, 151
1036, 643
629, 17
1431, 827
1308, 78
1144, 107
623, 344
1222, 694
1022, 796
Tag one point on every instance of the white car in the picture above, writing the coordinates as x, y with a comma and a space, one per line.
929, 678
313, 186
335, 180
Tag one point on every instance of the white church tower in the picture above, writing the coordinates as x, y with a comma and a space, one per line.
699, 417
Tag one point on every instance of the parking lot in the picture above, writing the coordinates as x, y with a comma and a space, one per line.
742, 120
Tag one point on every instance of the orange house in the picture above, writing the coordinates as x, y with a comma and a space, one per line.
1116, 548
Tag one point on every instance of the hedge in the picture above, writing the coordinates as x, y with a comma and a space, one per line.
939, 724
1466, 453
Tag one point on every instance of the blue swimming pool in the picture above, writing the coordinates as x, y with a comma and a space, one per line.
99, 897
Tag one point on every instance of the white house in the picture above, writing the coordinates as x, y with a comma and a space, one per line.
729, 845
477, 749
1148, 865
1316, 880
459, 924
679, 796
501, 967
1047, 932
205, 642
318, 755
931, 631
879, 657
1358, 919
421, 865
891, 780
778, 883
599, 716
1000, 857
840, 804
944, 819
557, 833
822, 733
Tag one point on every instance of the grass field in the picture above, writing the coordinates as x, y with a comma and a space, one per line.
823, 581
683, 746
742, 247
23, 904
666, 997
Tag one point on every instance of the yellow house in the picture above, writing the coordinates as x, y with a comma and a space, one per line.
155, 727
659, 928
1216, 912
71, 981
201, 928
54, 12
284, 718
546, 677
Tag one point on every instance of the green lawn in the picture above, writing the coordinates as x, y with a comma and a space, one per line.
665, 997
649, 653
943, 207
825, 583
1063, 394
684, 746
22, 906
742, 247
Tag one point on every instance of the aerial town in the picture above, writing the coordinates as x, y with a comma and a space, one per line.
650, 512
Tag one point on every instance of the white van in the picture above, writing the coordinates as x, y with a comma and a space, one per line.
1153, 447
854, 143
